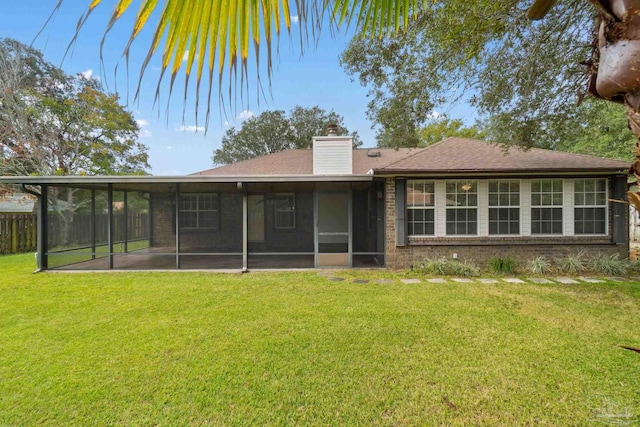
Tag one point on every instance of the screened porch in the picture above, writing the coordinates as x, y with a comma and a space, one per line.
145, 224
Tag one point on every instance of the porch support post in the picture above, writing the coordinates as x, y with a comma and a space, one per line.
92, 224
41, 258
245, 231
177, 203
125, 224
110, 226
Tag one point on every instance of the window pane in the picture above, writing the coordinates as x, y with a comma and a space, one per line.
472, 200
418, 229
429, 229
602, 185
589, 185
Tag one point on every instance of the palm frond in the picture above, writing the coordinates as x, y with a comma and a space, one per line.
215, 35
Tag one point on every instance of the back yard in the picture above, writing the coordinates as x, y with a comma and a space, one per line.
299, 349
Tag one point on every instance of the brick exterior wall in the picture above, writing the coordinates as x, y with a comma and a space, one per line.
481, 249
228, 238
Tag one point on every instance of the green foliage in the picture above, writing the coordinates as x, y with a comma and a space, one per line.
572, 263
219, 38
539, 265
444, 127
610, 265
503, 265
55, 124
604, 132
446, 267
274, 131
526, 77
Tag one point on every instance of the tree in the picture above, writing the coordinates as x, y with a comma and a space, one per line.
53, 123
525, 77
607, 134
444, 127
274, 131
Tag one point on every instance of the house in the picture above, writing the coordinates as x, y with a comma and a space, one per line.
334, 206
17, 204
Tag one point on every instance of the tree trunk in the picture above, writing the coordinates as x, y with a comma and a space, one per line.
615, 70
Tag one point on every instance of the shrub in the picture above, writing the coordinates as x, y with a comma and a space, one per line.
634, 266
464, 269
610, 265
572, 264
445, 267
503, 265
539, 265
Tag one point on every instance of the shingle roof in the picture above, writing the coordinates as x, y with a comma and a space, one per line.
451, 155
300, 162
470, 155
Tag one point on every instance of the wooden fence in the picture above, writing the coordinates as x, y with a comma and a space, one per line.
18, 233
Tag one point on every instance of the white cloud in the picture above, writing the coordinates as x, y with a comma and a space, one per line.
434, 114
88, 74
227, 124
142, 124
295, 19
169, 147
191, 128
246, 114
185, 56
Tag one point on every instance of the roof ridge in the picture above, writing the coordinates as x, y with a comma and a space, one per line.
577, 154
418, 151
517, 147
246, 160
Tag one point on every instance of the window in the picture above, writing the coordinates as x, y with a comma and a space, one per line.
462, 207
285, 211
199, 210
546, 206
590, 200
421, 207
504, 207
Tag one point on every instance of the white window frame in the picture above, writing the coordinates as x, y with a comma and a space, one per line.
423, 206
198, 210
467, 207
561, 206
498, 206
291, 209
604, 206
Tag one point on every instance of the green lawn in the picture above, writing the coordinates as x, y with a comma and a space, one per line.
298, 349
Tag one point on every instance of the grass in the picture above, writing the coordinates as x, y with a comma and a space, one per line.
298, 349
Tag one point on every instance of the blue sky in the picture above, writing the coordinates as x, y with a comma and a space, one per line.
314, 78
